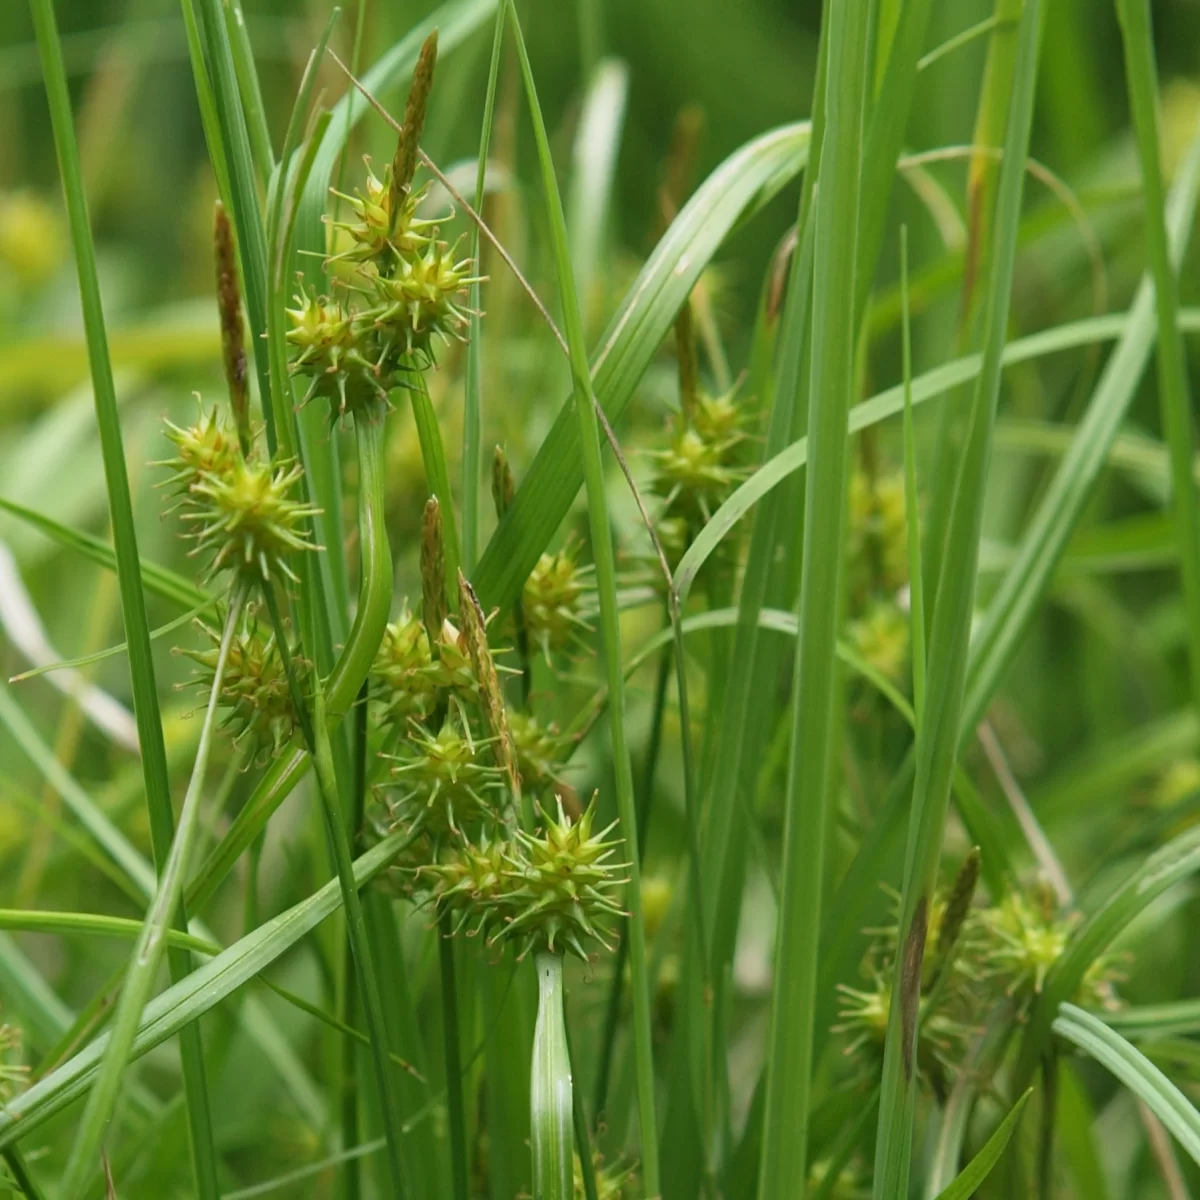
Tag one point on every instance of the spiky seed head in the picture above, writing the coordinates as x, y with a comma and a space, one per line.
541, 750
877, 537
881, 637
565, 882
552, 602
205, 448
254, 688
381, 234
421, 302
1024, 942
470, 884
444, 782
613, 1180
405, 686
342, 356
249, 520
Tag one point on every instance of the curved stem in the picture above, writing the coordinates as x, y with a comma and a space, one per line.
550, 1112
151, 943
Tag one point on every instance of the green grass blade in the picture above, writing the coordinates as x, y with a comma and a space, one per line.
37, 921
472, 450
160, 581
1135, 1071
1174, 392
250, 89
938, 737
24, 1180
151, 944
133, 604
243, 195
977, 1170
810, 787
606, 586
912, 501
739, 187
186, 1001
1046, 536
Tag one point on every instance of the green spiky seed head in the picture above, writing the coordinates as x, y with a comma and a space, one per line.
613, 1182
694, 474
341, 355
445, 783
403, 674
470, 885
254, 688
877, 538
249, 520
552, 601
564, 882
206, 448
421, 302
1024, 941
719, 422
372, 233
452, 669
881, 638
541, 750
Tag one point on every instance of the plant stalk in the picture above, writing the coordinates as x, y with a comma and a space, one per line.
550, 1107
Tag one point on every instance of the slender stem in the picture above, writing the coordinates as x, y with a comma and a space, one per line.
612, 1014
583, 1139
606, 583
550, 1109
472, 453
20, 1172
152, 941
453, 1052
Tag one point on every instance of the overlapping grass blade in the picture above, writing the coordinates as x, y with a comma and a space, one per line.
1174, 393
1045, 538
977, 1170
1135, 1071
938, 736
810, 788
151, 943
606, 585
133, 603
738, 188
184, 1002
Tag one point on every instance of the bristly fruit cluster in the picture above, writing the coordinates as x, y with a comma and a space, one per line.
702, 463
458, 761
404, 289
978, 958
254, 688
241, 510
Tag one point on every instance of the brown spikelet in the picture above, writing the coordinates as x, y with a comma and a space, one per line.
503, 488
433, 571
689, 368
405, 163
491, 699
910, 981
233, 341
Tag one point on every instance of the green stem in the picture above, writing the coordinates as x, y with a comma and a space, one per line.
472, 453
612, 1015
433, 455
20, 1173
139, 982
453, 1052
606, 584
550, 1110
583, 1139
1173, 389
